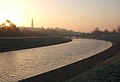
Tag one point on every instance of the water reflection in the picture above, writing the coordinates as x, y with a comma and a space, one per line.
17, 65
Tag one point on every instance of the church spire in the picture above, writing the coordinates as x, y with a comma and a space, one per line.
32, 24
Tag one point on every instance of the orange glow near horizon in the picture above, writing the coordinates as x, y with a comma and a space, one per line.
78, 15
10, 15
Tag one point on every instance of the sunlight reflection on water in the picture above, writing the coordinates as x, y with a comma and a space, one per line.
21, 64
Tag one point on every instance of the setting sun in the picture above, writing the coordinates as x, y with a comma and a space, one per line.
10, 14
59, 40
82, 15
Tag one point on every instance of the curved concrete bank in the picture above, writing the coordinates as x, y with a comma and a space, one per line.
9, 44
68, 71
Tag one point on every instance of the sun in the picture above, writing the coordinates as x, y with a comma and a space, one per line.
11, 14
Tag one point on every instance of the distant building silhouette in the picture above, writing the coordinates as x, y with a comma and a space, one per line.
32, 23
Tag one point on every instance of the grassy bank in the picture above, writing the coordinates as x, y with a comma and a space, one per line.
9, 44
105, 71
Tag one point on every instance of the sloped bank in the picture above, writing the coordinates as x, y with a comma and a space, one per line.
67, 72
18, 43
105, 71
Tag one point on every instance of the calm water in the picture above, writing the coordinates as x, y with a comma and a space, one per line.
21, 64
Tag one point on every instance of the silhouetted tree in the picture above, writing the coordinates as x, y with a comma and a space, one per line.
97, 31
9, 29
106, 32
114, 32
118, 29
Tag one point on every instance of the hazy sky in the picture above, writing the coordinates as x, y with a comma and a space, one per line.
81, 15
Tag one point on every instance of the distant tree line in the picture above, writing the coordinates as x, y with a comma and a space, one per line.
115, 31
46, 32
9, 29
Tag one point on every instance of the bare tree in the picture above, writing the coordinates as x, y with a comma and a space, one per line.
106, 32
9, 29
114, 31
118, 29
97, 31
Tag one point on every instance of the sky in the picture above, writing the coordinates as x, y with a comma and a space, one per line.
78, 15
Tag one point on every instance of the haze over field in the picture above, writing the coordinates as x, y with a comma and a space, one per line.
79, 15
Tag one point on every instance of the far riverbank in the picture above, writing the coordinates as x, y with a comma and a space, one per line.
18, 43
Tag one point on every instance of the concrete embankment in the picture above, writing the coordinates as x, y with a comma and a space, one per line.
79, 67
17, 43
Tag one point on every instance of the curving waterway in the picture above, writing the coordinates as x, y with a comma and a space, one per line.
21, 64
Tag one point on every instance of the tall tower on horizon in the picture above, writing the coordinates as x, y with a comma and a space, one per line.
32, 23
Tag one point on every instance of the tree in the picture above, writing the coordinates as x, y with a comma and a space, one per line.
118, 29
106, 32
97, 31
114, 31
9, 29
